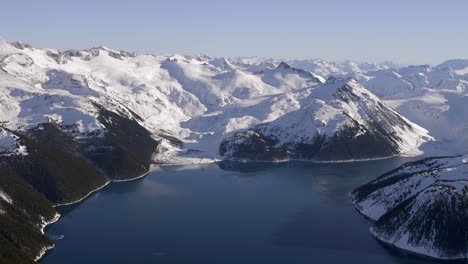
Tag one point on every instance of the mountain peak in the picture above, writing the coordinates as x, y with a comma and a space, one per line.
102, 47
283, 65
222, 63
20, 45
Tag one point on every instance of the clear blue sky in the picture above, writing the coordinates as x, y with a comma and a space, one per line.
405, 31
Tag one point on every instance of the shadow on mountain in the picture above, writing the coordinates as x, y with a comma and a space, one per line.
74, 83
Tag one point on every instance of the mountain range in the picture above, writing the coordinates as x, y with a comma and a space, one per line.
72, 121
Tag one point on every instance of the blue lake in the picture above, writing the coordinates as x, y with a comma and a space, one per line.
296, 212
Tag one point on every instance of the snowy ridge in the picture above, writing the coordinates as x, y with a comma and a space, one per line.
339, 110
426, 244
317, 66
422, 177
326, 108
432, 97
165, 92
459, 66
420, 207
201, 100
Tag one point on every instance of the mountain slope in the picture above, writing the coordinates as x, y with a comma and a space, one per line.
23, 214
432, 97
420, 207
459, 66
339, 120
166, 92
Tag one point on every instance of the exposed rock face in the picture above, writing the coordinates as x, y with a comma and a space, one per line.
338, 121
421, 207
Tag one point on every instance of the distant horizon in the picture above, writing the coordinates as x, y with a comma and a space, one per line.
405, 32
237, 57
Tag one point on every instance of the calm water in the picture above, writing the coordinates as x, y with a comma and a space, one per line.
294, 212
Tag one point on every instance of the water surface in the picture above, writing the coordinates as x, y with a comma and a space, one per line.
296, 212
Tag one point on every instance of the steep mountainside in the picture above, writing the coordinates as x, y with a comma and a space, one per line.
51, 167
339, 120
432, 97
420, 207
166, 93
195, 100
23, 214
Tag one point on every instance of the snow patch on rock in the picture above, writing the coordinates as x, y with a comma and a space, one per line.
5, 197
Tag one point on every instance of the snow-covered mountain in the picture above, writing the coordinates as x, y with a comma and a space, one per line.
198, 100
318, 66
339, 120
420, 207
72, 121
459, 66
435, 98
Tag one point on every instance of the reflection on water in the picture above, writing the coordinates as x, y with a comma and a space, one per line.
330, 229
228, 212
157, 189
